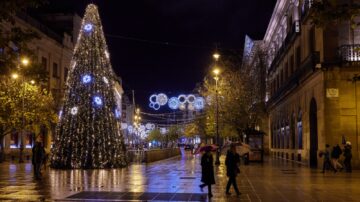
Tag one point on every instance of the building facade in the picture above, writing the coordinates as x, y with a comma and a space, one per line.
312, 84
54, 52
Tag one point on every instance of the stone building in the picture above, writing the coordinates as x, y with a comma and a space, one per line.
54, 53
312, 76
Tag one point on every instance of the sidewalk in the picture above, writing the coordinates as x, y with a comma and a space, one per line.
275, 180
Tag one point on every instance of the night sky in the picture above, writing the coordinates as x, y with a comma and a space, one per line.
167, 45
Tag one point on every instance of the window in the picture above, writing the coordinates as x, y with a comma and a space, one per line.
311, 40
287, 135
282, 137
292, 69
55, 70
44, 63
300, 132
66, 71
292, 130
298, 57
14, 140
29, 140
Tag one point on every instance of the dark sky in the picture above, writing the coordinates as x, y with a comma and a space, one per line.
192, 28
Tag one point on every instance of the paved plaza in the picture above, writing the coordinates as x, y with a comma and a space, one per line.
177, 179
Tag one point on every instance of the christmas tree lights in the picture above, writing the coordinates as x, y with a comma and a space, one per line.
88, 133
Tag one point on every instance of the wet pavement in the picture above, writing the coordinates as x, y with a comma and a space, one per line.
178, 179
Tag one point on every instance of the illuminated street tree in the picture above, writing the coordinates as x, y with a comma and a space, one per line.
234, 99
23, 104
88, 134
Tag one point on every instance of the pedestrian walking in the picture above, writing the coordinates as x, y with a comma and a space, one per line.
232, 162
335, 155
348, 156
207, 171
38, 156
327, 161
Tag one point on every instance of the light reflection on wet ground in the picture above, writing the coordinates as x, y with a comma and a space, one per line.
275, 180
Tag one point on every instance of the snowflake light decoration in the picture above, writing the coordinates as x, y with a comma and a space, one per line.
98, 101
173, 103
74, 110
88, 27
86, 78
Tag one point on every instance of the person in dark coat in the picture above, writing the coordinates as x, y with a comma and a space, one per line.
38, 156
207, 170
335, 155
232, 162
348, 156
327, 160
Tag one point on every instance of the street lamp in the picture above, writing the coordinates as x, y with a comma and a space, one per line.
15, 76
216, 72
25, 62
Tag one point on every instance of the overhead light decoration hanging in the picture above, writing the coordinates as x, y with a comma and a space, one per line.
182, 102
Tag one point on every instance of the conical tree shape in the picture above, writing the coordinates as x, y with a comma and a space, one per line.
88, 134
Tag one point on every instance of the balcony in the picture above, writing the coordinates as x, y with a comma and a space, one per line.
349, 53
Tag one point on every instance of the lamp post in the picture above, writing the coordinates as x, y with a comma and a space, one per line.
24, 62
216, 72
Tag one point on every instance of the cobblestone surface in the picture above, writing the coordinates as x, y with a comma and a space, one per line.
274, 180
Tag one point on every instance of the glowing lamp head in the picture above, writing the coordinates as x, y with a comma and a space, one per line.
216, 71
14, 76
25, 61
32, 82
216, 56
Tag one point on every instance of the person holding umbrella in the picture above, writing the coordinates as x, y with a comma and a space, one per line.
232, 162
207, 170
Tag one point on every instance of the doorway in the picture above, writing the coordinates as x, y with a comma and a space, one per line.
313, 133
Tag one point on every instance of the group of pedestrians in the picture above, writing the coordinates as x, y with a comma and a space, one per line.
232, 162
332, 156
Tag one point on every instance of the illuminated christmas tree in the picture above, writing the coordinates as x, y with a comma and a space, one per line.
88, 134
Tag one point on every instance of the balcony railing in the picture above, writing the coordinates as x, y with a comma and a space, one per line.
350, 53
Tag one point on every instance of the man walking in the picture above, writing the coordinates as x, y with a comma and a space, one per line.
38, 155
232, 162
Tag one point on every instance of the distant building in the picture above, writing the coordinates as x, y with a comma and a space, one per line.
54, 52
127, 119
312, 76
254, 66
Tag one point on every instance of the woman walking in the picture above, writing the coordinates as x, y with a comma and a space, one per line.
207, 170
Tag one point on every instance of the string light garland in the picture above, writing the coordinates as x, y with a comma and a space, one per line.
88, 134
